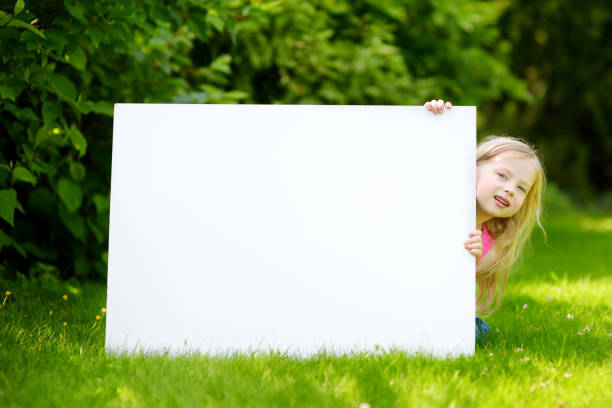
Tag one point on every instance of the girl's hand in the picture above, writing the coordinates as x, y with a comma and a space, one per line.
437, 107
474, 243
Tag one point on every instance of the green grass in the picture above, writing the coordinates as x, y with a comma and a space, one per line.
534, 356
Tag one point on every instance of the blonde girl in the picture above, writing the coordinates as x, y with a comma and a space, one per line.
510, 181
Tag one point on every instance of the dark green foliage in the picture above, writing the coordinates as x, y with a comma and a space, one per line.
563, 50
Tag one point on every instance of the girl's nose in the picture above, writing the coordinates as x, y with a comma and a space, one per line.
509, 190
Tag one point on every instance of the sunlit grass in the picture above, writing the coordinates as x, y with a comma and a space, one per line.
550, 345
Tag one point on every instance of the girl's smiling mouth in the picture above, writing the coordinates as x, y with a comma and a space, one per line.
501, 202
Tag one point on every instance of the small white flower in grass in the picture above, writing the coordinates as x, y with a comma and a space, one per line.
525, 306
543, 384
525, 359
518, 350
580, 333
490, 354
567, 375
570, 316
496, 330
586, 329
364, 405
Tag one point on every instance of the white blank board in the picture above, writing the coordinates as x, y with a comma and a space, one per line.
293, 228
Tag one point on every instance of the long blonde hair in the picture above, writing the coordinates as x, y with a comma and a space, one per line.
510, 234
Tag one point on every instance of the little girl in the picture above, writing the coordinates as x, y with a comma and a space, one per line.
510, 181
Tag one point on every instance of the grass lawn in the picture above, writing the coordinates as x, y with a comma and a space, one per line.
550, 346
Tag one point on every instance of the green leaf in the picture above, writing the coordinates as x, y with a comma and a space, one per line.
70, 193
96, 230
101, 107
11, 89
35, 250
77, 58
96, 35
63, 87
73, 221
4, 17
23, 24
23, 114
272, 6
77, 171
77, 139
5, 240
8, 202
18, 7
57, 40
40, 166
43, 134
215, 21
50, 112
23, 174
76, 10
101, 202
222, 64
20, 208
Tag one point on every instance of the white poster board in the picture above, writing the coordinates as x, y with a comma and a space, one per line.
294, 228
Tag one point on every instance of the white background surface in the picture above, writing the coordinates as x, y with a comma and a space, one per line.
292, 227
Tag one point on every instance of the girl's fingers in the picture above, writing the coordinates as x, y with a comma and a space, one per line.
473, 246
475, 233
437, 106
434, 106
476, 252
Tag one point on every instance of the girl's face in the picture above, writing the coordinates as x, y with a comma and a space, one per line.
502, 184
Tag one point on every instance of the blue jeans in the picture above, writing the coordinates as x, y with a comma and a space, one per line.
481, 329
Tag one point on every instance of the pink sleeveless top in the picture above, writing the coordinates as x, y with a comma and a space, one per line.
487, 241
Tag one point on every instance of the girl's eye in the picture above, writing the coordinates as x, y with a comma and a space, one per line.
522, 189
502, 175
